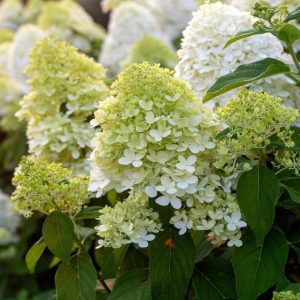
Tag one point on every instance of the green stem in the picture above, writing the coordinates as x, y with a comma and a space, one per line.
294, 56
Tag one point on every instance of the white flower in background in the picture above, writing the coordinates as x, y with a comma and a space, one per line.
4, 53
25, 39
172, 15
203, 58
235, 241
9, 220
128, 23
11, 14
108, 5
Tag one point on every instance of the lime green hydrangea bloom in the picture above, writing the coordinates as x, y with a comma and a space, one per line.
289, 295
152, 50
252, 119
108, 5
44, 187
66, 88
131, 221
68, 21
6, 35
9, 103
32, 10
288, 159
157, 137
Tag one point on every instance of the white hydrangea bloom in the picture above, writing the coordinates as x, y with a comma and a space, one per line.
24, 40
172, 15
4, 53
129, 22
170, 159
9, 220
11, 14
203, 58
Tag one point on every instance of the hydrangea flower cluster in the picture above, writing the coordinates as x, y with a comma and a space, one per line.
66, 88
131, 221
129, 22
9, 221
68, 21
44, 187
152, 50
157, 137
4, 53
172, 15
203, 58
288, 295
11, 14
252, 119
9, 98
24, 40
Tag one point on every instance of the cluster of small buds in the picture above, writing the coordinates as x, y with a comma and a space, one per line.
286, 295
44, 187
130, 221
252, 120
202, 61
152, 50
157, 136
67, 20
288, 159
63, 97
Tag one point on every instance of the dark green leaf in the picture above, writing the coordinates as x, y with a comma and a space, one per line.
257, 268
133, 285
292, 185
214, 279
77, 280
257, 194
294, 287
110, 260
34, 254
246, 74
295, 14
58, 230
171, 264
91, 212
223, 134
244, 34
289, 34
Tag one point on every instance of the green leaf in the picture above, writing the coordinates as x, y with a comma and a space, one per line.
295, 14
58, 230
223, 134
133, 285
257, 194
171, 264
34, 254
292, 185
214, 279
257, 268
91, 212
244, 34
110, 260
289, 34
246, 74
77, 280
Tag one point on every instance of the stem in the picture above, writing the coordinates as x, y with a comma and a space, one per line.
103, 282
292, 78
78, 242
294, 56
